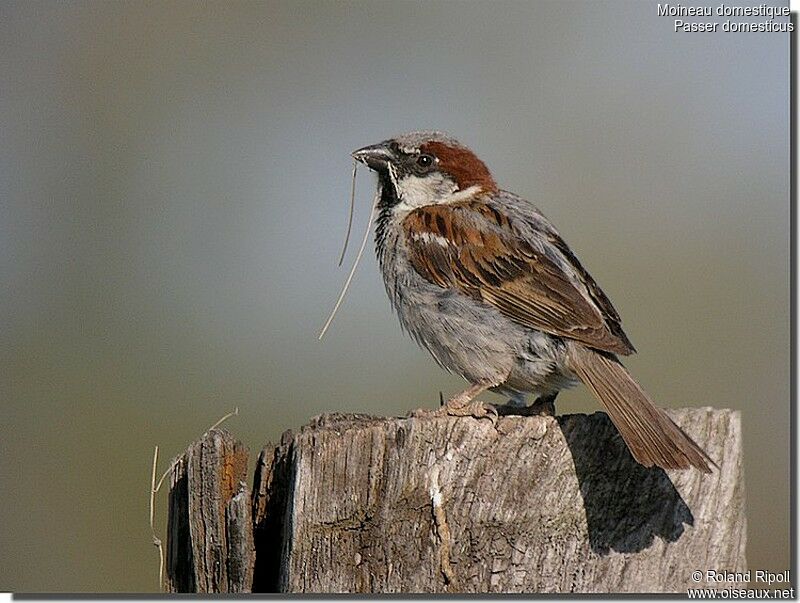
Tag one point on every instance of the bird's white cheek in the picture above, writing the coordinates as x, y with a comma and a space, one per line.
414, 191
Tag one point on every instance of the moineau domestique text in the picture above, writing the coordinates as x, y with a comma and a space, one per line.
723, 10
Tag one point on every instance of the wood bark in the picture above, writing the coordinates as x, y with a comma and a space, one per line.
353, 503
210, 538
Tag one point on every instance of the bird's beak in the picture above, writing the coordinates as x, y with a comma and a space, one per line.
375, 157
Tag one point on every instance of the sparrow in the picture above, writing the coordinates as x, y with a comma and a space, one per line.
483, 281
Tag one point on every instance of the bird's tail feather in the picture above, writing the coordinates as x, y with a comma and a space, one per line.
652, 437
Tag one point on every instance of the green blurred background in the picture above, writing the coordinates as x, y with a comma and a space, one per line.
174, 180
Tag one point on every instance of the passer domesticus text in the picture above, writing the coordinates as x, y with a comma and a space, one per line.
483, 281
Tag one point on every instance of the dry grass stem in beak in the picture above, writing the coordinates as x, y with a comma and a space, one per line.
350, 218
352, 270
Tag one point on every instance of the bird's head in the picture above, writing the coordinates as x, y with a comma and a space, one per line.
427, 168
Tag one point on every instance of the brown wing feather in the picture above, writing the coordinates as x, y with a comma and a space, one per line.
472, 248
609, 311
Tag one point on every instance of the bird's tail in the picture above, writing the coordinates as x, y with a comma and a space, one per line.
652, 437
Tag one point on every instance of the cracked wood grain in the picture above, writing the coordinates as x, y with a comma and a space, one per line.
209, 533
360, 504
535, 505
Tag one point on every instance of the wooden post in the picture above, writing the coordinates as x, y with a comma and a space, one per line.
209, 534
354, 503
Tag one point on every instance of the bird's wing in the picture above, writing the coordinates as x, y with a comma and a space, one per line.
473, 248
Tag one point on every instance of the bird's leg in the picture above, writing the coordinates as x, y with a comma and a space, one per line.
464, 405
543, 405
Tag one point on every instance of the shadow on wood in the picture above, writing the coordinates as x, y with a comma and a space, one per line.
627, 505
179, 549
272, 489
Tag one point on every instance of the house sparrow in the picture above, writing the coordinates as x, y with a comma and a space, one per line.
483, 281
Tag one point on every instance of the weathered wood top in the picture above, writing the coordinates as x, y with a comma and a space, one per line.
353, 503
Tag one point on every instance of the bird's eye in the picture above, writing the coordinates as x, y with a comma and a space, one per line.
424, 161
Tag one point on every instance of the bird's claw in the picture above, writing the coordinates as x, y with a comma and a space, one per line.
455, 408
476, 408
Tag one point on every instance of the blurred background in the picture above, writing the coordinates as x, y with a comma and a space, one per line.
174, 179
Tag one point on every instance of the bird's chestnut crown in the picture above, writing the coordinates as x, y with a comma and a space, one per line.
427, 168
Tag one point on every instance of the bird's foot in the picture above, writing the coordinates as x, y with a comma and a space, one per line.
472, 408
459, 406
463, 405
